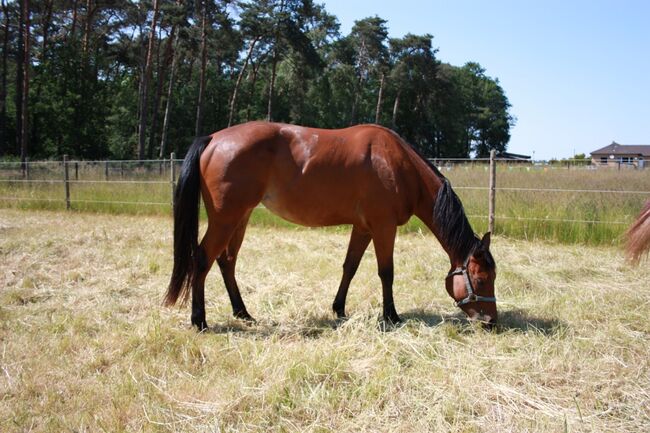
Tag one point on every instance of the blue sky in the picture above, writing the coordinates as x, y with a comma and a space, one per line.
577, 73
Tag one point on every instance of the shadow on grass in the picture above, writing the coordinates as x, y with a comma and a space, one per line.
311, 327
316, 326
520, 321
509, 320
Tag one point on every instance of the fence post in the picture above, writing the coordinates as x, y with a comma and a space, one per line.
106, 170
172, 170
66, 182
492, 198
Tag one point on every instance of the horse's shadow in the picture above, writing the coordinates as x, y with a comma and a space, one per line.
315, 326
510, 320
310, 327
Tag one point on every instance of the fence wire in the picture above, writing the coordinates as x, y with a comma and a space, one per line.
148, 173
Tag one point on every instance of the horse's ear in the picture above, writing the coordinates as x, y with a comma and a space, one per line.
486, 240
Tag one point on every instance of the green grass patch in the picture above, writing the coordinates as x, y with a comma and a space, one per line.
587, 212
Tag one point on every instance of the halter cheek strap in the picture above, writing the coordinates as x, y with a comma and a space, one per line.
471, 295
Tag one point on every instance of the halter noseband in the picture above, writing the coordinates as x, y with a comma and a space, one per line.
471, 296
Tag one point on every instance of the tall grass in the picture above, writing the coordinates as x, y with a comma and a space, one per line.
576, 216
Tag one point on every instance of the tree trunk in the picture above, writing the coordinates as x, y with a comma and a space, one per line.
251, 95
90, 11
269, 111
73, 25
24, 131
20, 52
233, 99
395, 108
160, 80
47, 19
144, 94
204, 64
354, 116
4, 147
170, 88
379, 99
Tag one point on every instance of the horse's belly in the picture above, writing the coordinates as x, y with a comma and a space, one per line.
312, 210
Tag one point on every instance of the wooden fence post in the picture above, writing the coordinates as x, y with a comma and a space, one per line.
172, 170
492, 195
66, 182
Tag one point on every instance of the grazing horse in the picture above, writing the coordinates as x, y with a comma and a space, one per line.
638, 236
365, 176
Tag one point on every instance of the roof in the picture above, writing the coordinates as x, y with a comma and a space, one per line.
624, 149
515, 156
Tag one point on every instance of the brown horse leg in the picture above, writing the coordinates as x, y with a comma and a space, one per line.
212, 245
227, 261
384, 242
359, 240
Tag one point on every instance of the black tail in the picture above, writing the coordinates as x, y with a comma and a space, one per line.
186, 224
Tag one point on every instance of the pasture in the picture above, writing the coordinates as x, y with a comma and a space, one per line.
86, 345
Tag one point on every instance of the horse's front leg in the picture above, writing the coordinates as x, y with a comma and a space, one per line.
359, 240
384, 241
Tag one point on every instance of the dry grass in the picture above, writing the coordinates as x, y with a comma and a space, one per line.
85, 345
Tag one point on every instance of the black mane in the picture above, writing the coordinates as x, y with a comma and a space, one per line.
454, 230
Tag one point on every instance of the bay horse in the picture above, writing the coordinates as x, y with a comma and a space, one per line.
638, 236
365, 176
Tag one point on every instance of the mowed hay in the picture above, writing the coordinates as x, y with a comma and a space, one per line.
86, 345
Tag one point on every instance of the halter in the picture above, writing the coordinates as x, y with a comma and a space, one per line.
471, 296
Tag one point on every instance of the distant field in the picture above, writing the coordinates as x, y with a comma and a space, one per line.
86, 345
584, 212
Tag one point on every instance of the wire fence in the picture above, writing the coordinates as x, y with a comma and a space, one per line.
521, 197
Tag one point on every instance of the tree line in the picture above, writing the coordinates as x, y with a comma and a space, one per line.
137, 79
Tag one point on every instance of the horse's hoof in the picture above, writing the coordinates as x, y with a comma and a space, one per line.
201, 325
393, 319
243, 315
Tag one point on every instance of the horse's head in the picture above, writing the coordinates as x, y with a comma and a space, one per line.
472, 284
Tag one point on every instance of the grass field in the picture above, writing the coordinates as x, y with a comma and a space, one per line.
569, 216
86, 345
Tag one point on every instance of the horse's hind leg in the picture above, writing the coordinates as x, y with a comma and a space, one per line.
359, 240
212, 245
227, 261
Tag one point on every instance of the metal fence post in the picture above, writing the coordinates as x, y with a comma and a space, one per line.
106, 170
66, 182
172, 170
492, 197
